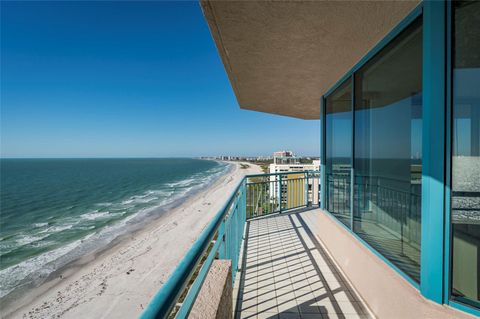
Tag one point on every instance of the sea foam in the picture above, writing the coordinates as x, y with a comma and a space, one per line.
100, 225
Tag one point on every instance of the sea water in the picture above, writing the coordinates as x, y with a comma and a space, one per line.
53, 211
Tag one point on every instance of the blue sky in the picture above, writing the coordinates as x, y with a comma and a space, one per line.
107, 79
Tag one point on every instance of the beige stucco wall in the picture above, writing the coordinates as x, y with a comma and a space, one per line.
214, 300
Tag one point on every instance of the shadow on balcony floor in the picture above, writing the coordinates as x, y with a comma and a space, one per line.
287, 274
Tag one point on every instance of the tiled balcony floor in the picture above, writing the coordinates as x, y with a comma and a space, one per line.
286, 274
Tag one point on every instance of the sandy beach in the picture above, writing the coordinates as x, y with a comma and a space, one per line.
120, 281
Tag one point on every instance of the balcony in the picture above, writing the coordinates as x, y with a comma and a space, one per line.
399, 134
287, 274
290, 259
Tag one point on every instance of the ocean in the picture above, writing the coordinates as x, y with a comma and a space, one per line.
54, 211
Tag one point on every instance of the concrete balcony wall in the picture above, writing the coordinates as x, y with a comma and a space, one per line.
385, 291
214, 301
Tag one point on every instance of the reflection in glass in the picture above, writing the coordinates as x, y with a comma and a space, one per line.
388, 151
466, 154
339, 151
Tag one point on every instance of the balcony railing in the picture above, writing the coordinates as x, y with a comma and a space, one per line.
255, 195
397, 203
279, 192
394, 203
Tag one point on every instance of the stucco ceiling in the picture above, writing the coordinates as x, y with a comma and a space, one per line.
282, 56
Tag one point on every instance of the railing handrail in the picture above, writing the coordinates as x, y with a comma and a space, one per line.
165, 299
465, 193
283, 173
377, 177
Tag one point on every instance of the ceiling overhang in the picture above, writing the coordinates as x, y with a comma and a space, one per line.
281, 57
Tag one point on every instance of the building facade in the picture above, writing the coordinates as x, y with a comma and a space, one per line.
277, 187
400, 151
396, 86
285, 157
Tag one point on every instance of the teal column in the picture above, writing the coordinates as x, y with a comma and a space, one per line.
323, 187
352, 157
433, 150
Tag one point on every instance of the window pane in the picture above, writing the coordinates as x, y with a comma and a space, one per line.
466, 154
339, 151
388, 151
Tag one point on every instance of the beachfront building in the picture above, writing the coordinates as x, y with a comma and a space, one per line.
395, 87
287, 162
285, 157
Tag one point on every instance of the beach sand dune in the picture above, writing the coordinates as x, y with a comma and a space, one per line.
120, 281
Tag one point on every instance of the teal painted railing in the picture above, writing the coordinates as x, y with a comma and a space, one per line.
255, 195
279, 192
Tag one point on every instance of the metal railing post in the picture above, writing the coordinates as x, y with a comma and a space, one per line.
281, 191
307, 191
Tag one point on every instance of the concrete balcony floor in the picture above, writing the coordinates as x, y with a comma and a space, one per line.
287, 274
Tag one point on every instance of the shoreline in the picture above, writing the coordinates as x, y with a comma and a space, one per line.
96, 243
127, 272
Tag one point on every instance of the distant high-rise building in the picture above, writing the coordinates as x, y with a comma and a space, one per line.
285, 157
292, 164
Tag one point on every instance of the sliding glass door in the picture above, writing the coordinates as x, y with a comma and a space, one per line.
465, 220
388, 151
339, 151
381, 133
